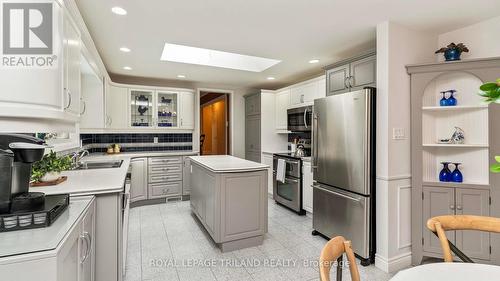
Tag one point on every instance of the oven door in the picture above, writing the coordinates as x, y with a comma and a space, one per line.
299, 119
288, 193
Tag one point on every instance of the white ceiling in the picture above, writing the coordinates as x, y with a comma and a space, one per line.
294, 31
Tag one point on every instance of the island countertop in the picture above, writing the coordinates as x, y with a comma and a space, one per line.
227, 164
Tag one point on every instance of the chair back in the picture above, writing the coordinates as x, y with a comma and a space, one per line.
440, 224
332, 252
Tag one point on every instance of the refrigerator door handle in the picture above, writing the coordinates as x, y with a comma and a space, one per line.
314, 156
337, 194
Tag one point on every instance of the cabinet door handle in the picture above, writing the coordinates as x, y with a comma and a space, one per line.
84, 107
69, 98
452, 207
88, 245
345, 81
351, 81
459, 207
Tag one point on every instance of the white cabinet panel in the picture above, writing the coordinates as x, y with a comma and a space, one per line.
72, 55
303, 94
139, 179
282, 104
92, 102
268, 160
307, 191
187, 110
116, 107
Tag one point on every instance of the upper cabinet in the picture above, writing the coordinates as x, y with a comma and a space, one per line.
71, 69
352, 75
92, 98
252, 105
305, 93
142, 108
49, 86
187, 106
282, 104
116, 107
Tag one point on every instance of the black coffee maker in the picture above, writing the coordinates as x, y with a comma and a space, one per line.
17, 154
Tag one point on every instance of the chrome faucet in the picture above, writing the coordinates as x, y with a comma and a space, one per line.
77, 157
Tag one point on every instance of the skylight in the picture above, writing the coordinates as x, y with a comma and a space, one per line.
200, 56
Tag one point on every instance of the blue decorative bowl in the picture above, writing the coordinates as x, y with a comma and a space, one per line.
452, 54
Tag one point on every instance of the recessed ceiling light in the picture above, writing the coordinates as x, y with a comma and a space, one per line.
127, 68
119, 11
314, 61
181, 76
200, 56
270, 78
125, 49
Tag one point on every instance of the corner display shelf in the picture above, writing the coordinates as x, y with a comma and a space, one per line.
479, 194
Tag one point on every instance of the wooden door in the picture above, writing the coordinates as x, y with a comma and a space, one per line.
437, 201
475, 244
214, 127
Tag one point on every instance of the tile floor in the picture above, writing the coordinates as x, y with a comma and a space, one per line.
166, 242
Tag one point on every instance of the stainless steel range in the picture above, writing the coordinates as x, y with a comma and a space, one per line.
287, 191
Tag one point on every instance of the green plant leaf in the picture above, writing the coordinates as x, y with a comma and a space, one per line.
497, 158
495, 168
498, 81
488, 87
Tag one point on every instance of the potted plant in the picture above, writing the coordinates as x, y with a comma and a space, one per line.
453, 51
49, 168
491, 92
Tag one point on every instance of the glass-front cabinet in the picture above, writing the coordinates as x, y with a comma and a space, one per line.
167, 109
141, 108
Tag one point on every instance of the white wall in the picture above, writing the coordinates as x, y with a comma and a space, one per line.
397, 46
482, 39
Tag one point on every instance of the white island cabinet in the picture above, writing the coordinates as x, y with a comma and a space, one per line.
63, 251
229, 197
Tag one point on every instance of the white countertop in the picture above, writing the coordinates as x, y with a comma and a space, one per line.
88, 182
43, 239
227, 164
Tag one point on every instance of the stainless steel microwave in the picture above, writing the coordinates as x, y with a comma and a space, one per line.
299, 119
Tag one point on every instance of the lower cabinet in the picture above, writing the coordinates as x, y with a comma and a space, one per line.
72, 260
307, 190
268, 160
159, 177
139, 179
439, 201
186, 179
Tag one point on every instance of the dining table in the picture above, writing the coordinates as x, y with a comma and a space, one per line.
456, 271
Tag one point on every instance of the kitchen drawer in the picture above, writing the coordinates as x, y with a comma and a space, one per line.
153, 161
170, 177
165, 169
165, 190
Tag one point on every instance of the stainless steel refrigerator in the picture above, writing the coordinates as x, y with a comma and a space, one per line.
343, 161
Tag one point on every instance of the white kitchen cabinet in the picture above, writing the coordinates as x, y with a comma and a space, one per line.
305, 94
71, 73
268, 160
139, 179
69, 253
282, 104
92, 100
116, 107
307, 190
186, 179
187, 106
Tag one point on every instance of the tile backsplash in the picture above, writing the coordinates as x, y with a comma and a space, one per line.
138, 142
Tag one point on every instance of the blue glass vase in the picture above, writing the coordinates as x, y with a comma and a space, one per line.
445, 174
443, 101
456, 175
451, 101
452, 54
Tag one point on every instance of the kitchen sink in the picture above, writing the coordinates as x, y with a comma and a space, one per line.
90, 165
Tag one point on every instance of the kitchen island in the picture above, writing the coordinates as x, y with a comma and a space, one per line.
229, 197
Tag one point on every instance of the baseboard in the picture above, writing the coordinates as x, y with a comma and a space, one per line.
393, 264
